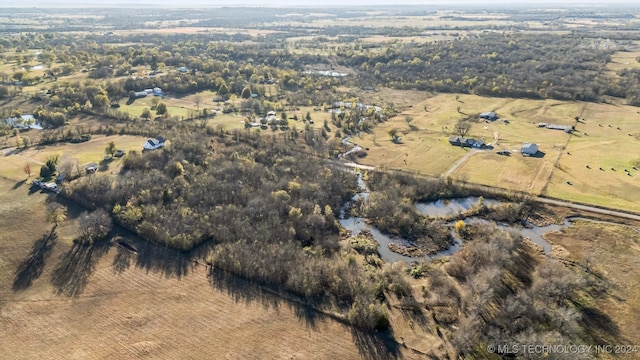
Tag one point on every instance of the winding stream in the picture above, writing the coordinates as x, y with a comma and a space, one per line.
444, 208
354, 149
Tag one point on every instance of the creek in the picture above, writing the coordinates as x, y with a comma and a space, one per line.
441, 208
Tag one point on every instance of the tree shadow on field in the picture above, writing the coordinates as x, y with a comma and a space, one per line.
123, 259
376, 345
31, 267
416, 317
72, 273
601, 328
18, 184
158, 258
152, 257
250, 292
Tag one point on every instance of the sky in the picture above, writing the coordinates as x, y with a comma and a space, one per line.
290, 3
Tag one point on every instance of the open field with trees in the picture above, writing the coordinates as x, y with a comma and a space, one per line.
232, 240
610, 251
76, 155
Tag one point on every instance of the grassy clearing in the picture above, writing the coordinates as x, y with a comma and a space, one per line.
512, 172
91, 151
621, 60
612, 251
175, 107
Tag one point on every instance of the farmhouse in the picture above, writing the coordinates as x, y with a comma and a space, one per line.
462, 142
490, 115
528, 149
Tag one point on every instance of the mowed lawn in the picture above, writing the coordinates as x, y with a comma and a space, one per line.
11, 166
611, 142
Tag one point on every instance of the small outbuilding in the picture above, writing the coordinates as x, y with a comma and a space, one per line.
529, 149
490, 115
91, 168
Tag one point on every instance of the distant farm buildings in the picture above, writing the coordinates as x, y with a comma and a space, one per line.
529, 149
462, 142
566, 128
155, 92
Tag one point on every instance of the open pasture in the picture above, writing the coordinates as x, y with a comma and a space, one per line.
12, 164
609, 137
605, 145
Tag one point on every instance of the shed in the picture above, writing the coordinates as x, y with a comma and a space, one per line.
490, 115
529, 149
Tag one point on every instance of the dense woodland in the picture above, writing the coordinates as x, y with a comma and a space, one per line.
266, 213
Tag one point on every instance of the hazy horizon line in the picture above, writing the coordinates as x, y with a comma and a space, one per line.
190, 4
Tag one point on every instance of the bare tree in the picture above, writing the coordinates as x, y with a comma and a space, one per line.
57, 215
394, 134
69, 168
462, 127
94, 226
408, 119
27, 170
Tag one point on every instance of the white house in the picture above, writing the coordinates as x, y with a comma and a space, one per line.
153, 144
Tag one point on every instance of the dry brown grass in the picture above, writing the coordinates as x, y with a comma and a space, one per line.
108, 303
613, 251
